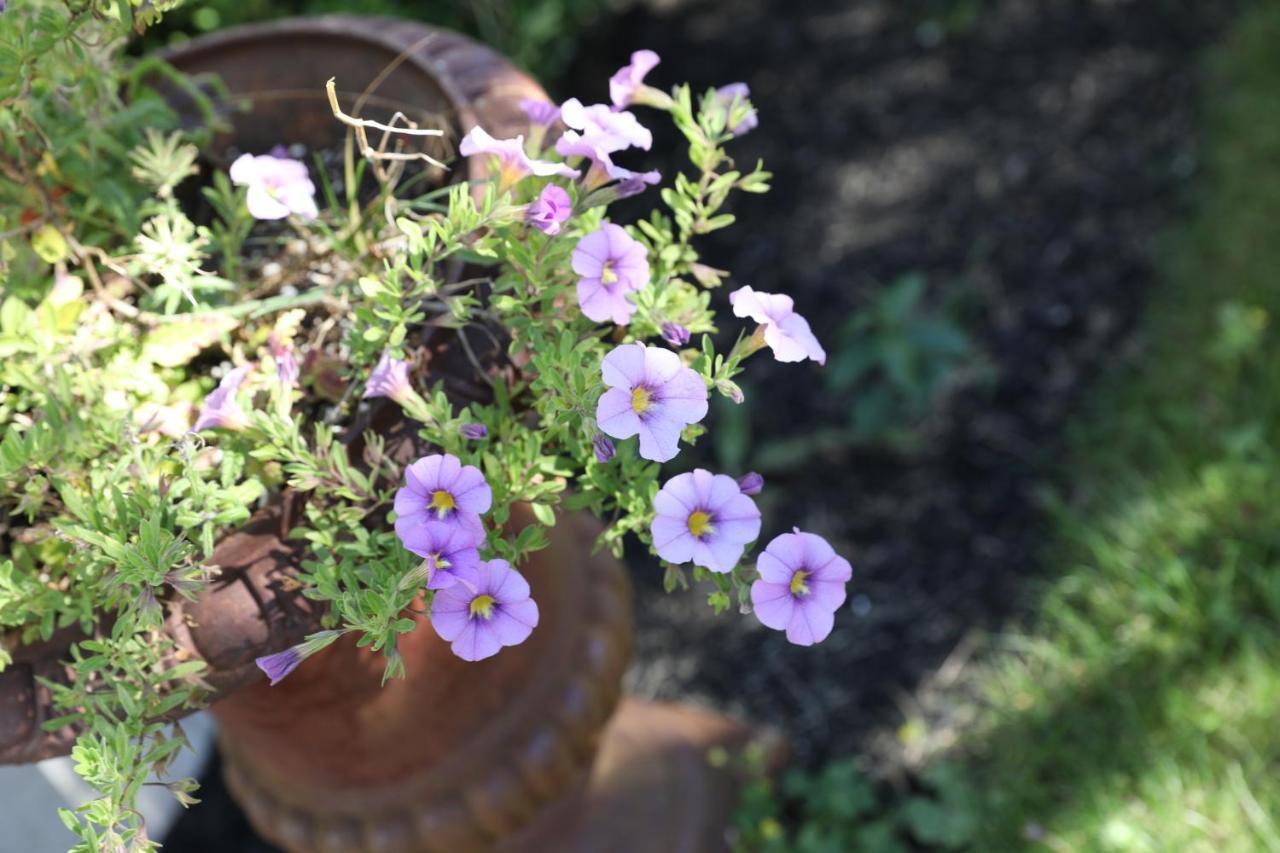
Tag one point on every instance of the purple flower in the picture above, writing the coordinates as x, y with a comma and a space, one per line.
488, 608
703, 518
603, 170
280, 664
609, 130
726, 97
446, 550
785, 331
751, 483
611, 265
440, 489
513, 163
475, 432
390, 378
650, 394
541, 113
603, 447
801, 586
675, 334
626, 86
220, 409
286, 364
551, 208
278, 186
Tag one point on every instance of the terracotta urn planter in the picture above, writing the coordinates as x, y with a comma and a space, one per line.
526, 751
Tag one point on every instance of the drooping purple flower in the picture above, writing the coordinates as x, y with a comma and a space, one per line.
611, 265
603, 447
785, 331
726, 97
513, 163
801, 586
278, 186
389, 378
603, 170
488, 608
280, 664
541, 113
446, 550
751, 483
440, 489
675, 334
650, 394
549, 210
475, 432
286, 364
220, 409
626, 86
705, 519
610, 130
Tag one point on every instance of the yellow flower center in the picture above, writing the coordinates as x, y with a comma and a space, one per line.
641, 400
799, 583
699, 523
607, 275
482, 606
442, 502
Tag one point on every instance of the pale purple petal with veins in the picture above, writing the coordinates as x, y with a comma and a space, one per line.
514, 163
488, 608
610, 131
625, 84
705, 519
389, 378
277, 186
610, 264
550, 210
786, 332
652, 394
542, 113
801, 585
220, 409
439, 488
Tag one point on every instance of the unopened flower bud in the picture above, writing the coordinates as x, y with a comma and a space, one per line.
475, 432
751, 483
675, 334
604, 448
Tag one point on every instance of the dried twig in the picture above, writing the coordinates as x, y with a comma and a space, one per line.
361, 126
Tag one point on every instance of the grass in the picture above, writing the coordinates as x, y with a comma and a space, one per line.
1137, 709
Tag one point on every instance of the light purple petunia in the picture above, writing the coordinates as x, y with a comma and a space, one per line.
389, 378
286, 364
281, 664
650, 394
610, 264
541, 113
785, 331
705, 519
610, 130
446, 550
549, 211
278, 186
220, 409
726, 96
603, 170
513, 163
440, 489
801, 586
626, 86
488, 608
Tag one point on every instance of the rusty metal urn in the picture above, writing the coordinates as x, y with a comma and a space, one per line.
527, 752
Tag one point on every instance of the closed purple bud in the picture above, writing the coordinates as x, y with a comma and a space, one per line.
604, 448
475, 432
280, 664
675, 334
751, 483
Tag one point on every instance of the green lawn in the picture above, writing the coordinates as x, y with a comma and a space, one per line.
1137, 705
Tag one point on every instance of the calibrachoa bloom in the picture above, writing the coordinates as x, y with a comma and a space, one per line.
651, 394
603, 170
626, 86
549, 210
610, 130
675, 334
278, 186
785, 331
801, 586
488, 608
389, 378
611, 265
541, 113
220, 409
286, 364
280, 664
514, 163
447, 549
440, 489
703, 518
725, 96
751, 483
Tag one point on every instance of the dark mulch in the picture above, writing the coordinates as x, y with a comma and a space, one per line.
1027, 152
1030, 158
